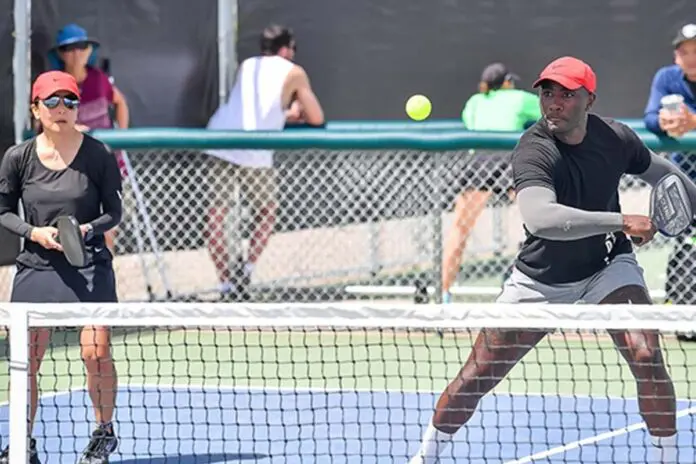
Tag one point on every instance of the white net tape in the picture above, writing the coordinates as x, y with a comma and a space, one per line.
372, 315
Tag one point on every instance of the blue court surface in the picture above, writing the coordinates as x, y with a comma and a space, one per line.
230, 425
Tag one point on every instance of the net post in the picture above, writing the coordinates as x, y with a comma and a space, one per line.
19, 384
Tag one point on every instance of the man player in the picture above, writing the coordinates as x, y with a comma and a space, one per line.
566, 170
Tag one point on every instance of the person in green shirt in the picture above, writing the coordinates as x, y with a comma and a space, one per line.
498, 106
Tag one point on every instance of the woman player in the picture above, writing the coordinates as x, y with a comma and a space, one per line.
63, 172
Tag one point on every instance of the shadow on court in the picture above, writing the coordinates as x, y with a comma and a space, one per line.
195, 459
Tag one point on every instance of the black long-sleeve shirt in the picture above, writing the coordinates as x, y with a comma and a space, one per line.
88, 189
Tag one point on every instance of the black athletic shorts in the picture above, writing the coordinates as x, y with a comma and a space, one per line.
92, 284
483, 170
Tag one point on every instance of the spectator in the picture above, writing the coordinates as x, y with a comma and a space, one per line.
76, 53
498, 106
270, 90
678, 79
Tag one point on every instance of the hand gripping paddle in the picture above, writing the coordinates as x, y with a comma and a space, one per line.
70, 237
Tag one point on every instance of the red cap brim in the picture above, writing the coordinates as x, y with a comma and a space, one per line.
54, 81
565, 81
46, 92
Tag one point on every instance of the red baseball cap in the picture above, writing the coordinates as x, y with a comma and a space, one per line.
51, 82
569, 72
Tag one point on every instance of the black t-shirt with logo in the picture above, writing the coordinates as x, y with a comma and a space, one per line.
584, 176
87, 189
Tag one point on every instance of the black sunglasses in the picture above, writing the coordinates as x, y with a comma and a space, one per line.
74, 46
71, 102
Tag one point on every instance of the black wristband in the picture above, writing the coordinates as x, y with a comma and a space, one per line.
89, 234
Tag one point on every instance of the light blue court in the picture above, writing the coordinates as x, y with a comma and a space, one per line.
186, 425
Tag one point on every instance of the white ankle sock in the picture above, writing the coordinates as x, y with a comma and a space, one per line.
664, 449
433, 445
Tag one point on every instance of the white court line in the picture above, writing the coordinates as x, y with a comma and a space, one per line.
50, 395
258, 388
592, 440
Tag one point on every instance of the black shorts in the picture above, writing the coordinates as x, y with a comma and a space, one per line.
680, 286
483, 170
92, 284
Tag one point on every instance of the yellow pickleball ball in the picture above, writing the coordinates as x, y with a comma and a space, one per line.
418, 107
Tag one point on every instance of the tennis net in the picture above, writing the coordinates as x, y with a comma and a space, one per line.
340, 383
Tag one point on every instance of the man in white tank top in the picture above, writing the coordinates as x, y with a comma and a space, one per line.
269, 91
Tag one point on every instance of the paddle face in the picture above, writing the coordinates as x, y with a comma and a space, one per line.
70, 237
670, 208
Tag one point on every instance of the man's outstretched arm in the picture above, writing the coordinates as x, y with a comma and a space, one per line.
545, 218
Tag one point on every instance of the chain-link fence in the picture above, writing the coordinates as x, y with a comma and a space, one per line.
339, 225
348, 224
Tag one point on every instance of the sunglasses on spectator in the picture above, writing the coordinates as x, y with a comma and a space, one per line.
74, 46
70, 101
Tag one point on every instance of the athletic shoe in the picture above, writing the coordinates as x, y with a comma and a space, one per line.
101, 445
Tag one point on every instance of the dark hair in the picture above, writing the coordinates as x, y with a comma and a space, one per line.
35, 125
275, 37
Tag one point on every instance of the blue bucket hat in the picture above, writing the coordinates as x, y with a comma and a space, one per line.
71, 34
